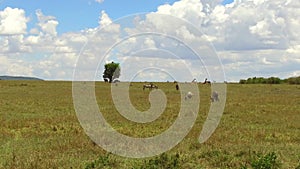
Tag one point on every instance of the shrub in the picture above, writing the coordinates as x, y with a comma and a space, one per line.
268, 161
298, 166
243, 81
294, 80
163, 161
104, 161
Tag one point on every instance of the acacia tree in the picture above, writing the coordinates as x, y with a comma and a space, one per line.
111, 71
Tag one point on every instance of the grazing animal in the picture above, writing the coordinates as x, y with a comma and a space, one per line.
214, 97
206, 81
105, 80
177, 87
150, 86
189, 95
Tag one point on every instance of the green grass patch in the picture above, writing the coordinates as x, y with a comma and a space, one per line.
39, 128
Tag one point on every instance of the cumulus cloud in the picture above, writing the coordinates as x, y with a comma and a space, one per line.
104, 19
13, 21
13, 45
47, 24
242, 25
15, 66
252, 38
40, 52
243, 32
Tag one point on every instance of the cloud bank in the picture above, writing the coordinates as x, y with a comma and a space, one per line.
251, 38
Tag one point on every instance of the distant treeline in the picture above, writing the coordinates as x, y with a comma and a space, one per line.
270, 80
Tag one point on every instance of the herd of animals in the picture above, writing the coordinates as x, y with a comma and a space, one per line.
214, 96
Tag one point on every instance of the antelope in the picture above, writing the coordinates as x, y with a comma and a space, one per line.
206, 81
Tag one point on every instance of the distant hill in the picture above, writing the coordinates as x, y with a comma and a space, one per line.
18, 78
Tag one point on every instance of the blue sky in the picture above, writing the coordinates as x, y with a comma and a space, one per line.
251, 37
227, 2
75, 15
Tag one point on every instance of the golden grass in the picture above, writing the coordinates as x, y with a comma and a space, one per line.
39, 127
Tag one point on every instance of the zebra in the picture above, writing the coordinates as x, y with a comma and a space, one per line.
150, 86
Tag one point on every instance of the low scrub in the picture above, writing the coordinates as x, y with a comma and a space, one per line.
103, 161
264, 161
163, 161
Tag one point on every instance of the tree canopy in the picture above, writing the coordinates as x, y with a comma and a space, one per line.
270, 80
111, 71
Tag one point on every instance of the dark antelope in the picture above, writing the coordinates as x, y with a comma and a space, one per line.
206, 81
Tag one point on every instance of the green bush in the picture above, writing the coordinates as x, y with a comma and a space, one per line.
268, 161
298, 167
243, 81
294, 80
163, 161
270, 80
260, 161
262, 80
105, 161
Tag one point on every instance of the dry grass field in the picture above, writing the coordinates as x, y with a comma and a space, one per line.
260, 127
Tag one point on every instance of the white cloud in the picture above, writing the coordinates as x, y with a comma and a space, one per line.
106, 24
42, 52
20, 68
151, 68
191, 10
47, 24
149, 43
33, 40
261, 28
15, 67
34, 31
4, 63
252, 38
262, 32
104, 19
185, 33
13, 21
99, 1
219, 14
14, 44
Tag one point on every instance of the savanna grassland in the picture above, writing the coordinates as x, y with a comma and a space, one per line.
260, 128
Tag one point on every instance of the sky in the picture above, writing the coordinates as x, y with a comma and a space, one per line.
233, 39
